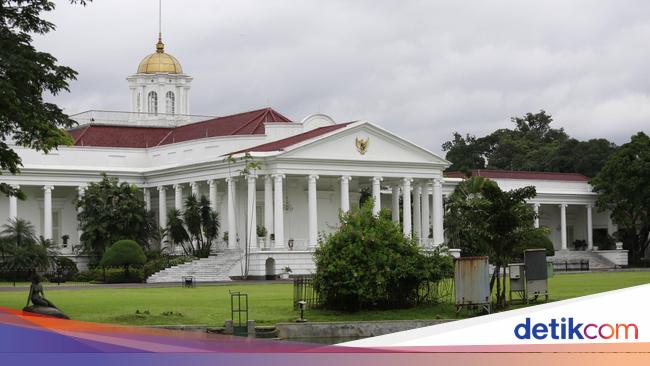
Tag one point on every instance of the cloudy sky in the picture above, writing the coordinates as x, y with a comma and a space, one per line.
421, 69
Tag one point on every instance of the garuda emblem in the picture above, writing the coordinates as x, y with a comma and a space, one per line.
362, 145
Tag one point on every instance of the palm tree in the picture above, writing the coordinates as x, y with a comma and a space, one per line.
195, 229
18, 231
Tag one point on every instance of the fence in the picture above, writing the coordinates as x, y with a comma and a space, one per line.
571, 265
428, 293
303, 290
67, 276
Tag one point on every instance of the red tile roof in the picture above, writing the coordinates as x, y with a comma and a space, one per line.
247, 123
510, 174
280, 145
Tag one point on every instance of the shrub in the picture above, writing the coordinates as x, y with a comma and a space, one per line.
110, 275
539, 239
368, 263
123, 253
65, 269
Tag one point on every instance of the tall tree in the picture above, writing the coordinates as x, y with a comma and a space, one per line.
26, 74
623, 187
465, 153
532, 145
111, 211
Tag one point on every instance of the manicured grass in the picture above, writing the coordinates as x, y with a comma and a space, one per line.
269, 303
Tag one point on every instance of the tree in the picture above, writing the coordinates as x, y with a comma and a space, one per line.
111, 211
623, 187
22, 250
533, 145
196, 228
25, 75
465, 153
18, 231
123, 253
369, 263
462, 215
485, 220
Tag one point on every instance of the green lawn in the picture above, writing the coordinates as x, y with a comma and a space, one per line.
269, 303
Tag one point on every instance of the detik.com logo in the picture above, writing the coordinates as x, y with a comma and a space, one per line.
568, 328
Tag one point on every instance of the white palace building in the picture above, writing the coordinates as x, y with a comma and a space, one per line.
311, 169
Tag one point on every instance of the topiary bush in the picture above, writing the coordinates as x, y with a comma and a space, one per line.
124, 253
369, 264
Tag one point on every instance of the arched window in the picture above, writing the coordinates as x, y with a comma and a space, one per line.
153, 102
170, 103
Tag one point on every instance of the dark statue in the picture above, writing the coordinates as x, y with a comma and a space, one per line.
41, 305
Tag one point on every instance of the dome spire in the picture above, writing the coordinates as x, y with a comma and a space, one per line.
160, 46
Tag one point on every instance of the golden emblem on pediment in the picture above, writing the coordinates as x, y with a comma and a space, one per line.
362, 145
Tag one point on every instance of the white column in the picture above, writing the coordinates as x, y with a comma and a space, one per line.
345, 193
406, 202
251, 212
417, 212
195, 189
147, 198
13, 205
395, 202
47, 212
162, 207
268, 207
232, 225
536, 208
81, 190
279, 210
563, 225
178, 197
212, 183
376, 195
426, 217
313, 210
438, 213
590, 229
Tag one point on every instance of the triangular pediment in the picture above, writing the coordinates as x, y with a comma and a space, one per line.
363, 141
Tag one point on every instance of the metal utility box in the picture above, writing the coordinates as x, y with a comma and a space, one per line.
536, 274
517, 280
472, 283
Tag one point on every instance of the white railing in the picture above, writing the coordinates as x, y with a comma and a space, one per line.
119, 118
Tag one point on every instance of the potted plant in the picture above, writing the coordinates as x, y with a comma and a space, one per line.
261, 236
225, 236
65, 239
285, 273
290, 243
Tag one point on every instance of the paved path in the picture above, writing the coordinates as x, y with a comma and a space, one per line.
54, 287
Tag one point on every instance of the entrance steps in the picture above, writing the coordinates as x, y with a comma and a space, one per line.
214, 268
596, 261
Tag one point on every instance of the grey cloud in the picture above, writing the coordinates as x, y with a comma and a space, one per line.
422, 69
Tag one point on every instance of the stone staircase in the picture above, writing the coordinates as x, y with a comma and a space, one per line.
596, 261
215, 268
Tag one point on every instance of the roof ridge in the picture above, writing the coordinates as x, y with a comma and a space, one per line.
264, 112
85, 129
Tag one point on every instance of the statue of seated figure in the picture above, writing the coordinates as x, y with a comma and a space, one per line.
41, 305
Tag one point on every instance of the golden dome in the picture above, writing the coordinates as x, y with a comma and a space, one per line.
160, 62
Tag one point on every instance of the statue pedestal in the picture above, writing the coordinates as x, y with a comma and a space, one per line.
45, 310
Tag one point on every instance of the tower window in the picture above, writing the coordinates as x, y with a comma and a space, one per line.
170, 103
138, 108
152, 102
